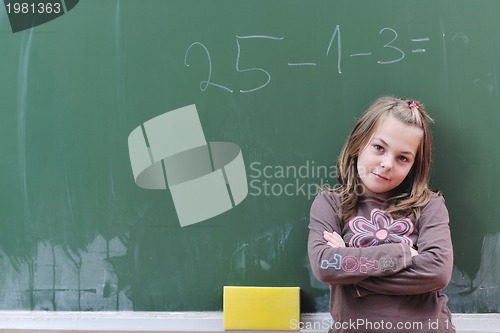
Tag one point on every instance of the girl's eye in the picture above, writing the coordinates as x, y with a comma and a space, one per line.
378, 147
403, 159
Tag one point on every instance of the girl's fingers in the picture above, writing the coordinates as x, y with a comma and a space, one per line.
333, 239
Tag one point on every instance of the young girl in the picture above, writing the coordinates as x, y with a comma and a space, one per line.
381, 240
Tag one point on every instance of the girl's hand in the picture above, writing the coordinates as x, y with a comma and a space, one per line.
413, 252
333, 239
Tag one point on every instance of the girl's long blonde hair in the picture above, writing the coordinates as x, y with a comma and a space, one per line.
413, 192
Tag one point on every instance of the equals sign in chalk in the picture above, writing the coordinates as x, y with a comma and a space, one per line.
419, 40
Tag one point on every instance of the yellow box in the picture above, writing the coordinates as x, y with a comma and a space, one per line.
261, 308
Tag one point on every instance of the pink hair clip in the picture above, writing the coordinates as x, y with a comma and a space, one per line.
414, 104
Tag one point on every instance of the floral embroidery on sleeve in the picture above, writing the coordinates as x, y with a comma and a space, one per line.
380, 229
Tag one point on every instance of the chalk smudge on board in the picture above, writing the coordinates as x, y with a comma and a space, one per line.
480, 294
22, 89
61, 279
238, 261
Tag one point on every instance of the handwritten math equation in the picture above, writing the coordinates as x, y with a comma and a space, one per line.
389, 38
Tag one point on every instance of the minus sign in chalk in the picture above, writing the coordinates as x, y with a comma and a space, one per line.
361, 54
261, 308
418, 50
425, 39
301, 64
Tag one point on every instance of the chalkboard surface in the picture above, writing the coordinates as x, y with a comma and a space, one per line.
281, 83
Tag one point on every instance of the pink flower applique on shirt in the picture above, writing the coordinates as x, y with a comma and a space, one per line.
380, 229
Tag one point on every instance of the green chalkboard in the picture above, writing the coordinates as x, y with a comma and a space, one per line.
276, 86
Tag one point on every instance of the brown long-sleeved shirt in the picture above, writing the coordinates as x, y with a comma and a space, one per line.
375, 283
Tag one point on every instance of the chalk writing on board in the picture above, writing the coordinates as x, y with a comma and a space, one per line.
238, 69
336, 32
204, 84
389, 38
419, 40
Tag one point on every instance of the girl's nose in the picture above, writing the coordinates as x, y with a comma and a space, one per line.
386, 163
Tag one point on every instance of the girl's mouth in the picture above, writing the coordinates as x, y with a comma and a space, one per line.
379, 176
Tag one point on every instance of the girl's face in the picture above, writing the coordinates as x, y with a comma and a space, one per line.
387, 159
